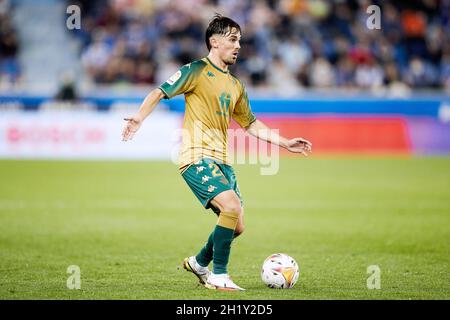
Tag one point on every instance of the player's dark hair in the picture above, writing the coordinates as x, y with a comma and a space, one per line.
219, 25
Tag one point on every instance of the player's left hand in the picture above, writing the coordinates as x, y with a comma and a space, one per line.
299, 145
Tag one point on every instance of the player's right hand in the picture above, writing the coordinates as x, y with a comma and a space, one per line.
133, 124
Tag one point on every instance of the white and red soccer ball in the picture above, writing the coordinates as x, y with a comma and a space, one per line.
280, 271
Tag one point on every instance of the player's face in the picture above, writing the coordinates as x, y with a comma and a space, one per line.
229, 46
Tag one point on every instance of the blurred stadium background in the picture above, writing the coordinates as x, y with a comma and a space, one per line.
312, 69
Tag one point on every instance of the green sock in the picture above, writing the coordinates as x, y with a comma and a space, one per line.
222, 243
222, 237
205, 256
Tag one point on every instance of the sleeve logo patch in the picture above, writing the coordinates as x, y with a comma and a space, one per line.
174, 78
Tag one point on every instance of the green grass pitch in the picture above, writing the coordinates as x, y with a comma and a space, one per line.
128, 225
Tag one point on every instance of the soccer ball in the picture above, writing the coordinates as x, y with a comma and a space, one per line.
280, 271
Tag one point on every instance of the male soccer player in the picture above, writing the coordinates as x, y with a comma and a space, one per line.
213, 96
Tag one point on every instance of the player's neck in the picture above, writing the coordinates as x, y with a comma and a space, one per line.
217, 62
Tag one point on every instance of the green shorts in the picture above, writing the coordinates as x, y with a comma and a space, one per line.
207, 178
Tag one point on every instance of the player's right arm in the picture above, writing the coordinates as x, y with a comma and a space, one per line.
148, 105
183, 81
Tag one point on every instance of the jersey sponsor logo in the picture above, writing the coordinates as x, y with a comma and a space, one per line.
210, 74
174, 78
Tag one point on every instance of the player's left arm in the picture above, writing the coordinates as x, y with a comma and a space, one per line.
263, 132
244, 116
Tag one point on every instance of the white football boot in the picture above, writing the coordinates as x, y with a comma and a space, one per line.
221, 282
191, 265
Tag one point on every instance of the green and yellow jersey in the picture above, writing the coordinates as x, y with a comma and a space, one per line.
212, 97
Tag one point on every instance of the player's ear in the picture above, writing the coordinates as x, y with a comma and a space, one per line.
214, 42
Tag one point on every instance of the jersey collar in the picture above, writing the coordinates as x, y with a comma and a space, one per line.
210, 62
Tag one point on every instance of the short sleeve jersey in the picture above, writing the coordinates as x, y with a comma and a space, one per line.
212, 97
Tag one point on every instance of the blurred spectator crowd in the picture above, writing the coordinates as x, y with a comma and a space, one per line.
286, 45
9, 47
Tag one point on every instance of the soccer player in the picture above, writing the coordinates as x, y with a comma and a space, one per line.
213, 96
